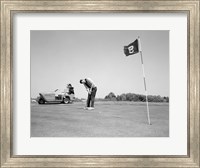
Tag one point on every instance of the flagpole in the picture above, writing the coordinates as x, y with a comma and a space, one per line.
145, 87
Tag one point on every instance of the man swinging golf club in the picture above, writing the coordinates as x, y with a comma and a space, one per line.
91, 89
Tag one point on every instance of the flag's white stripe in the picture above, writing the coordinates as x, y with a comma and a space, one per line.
148, 116
145, 84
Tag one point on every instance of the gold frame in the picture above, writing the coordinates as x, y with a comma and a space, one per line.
8, 8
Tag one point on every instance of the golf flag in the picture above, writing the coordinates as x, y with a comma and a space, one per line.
132, 48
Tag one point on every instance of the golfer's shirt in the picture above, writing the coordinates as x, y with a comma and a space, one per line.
89, 83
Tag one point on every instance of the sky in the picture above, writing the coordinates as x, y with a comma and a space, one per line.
62, 57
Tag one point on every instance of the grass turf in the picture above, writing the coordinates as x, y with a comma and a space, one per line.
108, 119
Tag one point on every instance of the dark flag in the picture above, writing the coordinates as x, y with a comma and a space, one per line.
132, 48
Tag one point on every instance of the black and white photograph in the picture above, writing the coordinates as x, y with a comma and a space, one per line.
99, 83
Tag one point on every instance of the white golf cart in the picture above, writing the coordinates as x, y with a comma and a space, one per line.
55, 97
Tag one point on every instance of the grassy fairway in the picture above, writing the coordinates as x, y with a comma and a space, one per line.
109, 119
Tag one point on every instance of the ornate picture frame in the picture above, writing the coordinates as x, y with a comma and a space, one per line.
10, 8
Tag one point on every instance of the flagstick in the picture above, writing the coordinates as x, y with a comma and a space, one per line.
144, 82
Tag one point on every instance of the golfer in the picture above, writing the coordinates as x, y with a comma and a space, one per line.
91, 89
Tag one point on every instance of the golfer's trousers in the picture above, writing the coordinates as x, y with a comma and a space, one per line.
91, 97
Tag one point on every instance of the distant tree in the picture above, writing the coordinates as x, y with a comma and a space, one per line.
166, 99
118, 98
135, 97
142, 98
158, 99
123, 97
129, 97
150, 98
111, 96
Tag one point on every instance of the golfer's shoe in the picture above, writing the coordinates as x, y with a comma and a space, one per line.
90, 108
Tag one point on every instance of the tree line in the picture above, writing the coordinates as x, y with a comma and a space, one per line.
135, 97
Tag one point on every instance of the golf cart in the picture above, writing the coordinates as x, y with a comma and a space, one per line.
55, 97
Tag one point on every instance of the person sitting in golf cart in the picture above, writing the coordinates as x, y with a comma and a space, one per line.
70, 91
